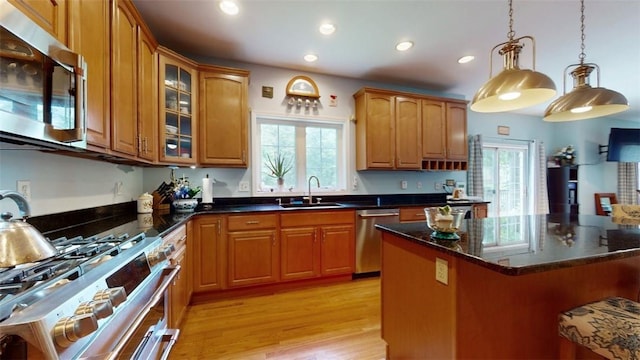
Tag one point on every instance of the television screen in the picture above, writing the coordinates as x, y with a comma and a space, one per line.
624, 145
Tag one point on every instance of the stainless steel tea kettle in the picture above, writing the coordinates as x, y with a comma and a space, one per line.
20, 242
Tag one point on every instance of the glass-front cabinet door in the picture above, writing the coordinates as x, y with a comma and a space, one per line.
178, 110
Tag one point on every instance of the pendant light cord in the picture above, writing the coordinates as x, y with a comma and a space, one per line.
582, 54
511, 33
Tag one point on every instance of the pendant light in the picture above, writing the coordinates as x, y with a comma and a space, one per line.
513, 88
584, 101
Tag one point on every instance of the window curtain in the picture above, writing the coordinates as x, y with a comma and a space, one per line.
627, 183
474, 170
538, 190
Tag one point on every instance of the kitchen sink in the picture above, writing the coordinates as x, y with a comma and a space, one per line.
324, 205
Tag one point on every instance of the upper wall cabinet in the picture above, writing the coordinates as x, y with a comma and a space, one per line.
178, 108
444, 134
375, 130
224, 117
388, 131
134, 83
402, 131
89, 36
51, 15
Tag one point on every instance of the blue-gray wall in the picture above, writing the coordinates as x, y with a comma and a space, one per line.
61, 183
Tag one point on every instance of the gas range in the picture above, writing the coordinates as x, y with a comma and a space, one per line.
61, 307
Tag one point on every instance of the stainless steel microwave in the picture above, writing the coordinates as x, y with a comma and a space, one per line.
42, 85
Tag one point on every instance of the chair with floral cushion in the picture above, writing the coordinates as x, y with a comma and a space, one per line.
610, 328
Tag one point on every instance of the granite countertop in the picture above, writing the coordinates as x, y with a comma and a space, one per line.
122, 218
547, 242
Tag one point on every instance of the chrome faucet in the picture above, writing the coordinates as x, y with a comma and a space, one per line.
318, 184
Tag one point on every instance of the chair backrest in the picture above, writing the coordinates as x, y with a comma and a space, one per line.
604, 202
626, 211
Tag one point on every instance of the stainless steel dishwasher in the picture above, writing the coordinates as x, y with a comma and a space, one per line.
368, 239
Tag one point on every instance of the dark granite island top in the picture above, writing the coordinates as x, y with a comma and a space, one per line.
530, 244
500, 297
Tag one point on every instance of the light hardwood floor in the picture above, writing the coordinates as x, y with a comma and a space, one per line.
334, 322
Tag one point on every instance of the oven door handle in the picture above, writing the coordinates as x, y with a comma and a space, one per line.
157, 296
170, 336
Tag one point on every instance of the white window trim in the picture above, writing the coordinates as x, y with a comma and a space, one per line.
342, 160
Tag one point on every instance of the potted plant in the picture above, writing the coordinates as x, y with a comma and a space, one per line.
279, 165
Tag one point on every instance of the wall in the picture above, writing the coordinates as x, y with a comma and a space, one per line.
61, 183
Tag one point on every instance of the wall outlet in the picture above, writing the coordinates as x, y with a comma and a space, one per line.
419, 185
118, 188
437, 185
442, 271
403, 184
24, 188
243, 186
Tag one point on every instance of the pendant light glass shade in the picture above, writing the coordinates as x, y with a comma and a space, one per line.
584, 101
513, 88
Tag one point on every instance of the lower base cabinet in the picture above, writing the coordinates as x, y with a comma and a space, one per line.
252, 258
252, 249
312, 246
207, 250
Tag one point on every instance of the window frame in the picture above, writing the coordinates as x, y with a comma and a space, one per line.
341, 124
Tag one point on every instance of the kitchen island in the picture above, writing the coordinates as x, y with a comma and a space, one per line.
502, 294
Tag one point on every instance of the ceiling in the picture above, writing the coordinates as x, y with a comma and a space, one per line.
280, 32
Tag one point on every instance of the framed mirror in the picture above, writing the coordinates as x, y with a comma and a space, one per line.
604, 202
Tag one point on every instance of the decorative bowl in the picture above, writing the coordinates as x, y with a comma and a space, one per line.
444, 222
185, 205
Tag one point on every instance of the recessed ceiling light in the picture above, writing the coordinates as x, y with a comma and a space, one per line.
327, 29
466, 59
310, 58
229, 7
404, 45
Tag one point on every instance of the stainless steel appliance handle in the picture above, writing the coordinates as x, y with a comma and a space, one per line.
378, 215
157, 296
170, 336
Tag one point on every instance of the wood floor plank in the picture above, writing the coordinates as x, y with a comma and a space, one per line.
328, 322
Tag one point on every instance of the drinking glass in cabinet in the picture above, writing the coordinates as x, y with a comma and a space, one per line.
185, 104
185, 126
171, 76
185, 80
171, 99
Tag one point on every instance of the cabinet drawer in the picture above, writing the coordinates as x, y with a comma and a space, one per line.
412, 214
315, 218
177, 237
252, 221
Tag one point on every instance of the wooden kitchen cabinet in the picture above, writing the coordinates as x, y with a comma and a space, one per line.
375, 130
404, 131
224, 117
253, 257
480, 211
51, 15
89, 32
318, 243
413, 213
408, 142
387, 131
299, 254
133, 64
177, 108
124, 111
147, 96
208, 250
444, 134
